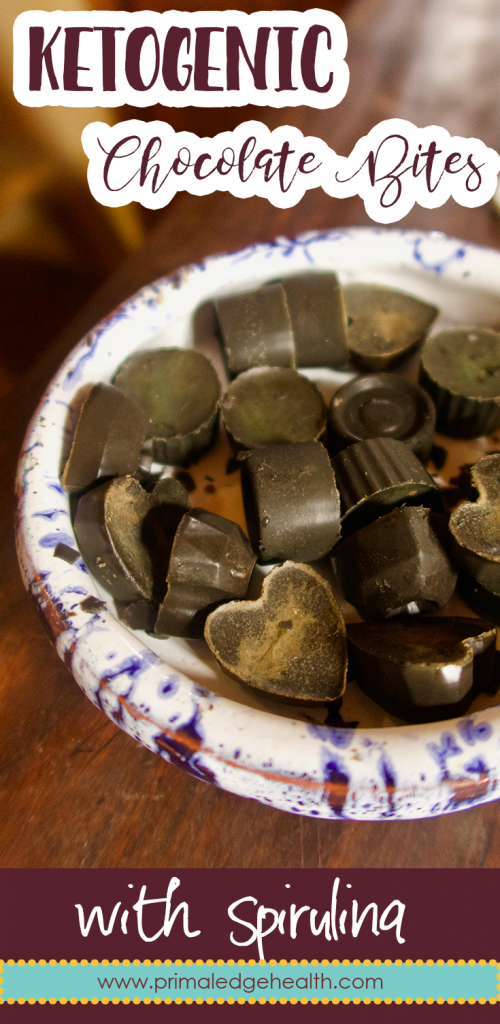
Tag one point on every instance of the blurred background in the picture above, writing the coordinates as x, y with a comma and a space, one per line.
427, 60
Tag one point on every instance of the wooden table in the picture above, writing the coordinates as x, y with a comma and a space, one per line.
77, 792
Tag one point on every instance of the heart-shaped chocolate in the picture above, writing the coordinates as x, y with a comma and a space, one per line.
290, 644
475, 526
125, 535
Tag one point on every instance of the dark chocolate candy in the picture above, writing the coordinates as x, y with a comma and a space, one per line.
181, 393
461, 371
66, 553
125, 535
292, 505
397, 565
211, 561
138, 614
475, 526
317, 312
108, 438
382, 405
289, 644
272, 405
256, 329
422, 669
383, 324
376, 476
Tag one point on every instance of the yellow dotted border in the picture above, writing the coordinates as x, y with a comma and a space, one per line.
272, 1000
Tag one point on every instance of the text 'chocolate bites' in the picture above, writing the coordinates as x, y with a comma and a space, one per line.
290, 644
292, 505
475, 526
180, 391
125, 535
397, 565
422, 669
383, 324
211, 561
108, 438
461, 371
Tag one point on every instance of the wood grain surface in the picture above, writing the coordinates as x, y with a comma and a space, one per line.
74, 790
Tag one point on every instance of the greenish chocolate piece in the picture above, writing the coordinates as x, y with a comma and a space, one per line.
290, 644
292, 505
272, 405
384, 324
108, 438
461, 371
475, 526
125, 535
378, 475
423, 670
256, 329
211, 561
317, 312
181, 393
397, 565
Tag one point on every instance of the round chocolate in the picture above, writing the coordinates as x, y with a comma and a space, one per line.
108, 438
423, 669
376, 476
317, 312
180, 391
382, 405
271, 405
461, 371
211, 561
397, 565
291, 502
256, 329
384, 324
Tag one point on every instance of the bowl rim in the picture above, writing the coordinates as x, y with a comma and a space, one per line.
307, 769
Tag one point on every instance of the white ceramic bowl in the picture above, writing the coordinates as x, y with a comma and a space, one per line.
169, 695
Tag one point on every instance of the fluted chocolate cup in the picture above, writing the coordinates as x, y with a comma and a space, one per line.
272, 405
181, 393
376, 476
460, 369
382, 405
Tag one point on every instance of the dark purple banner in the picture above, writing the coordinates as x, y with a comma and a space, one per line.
242, 914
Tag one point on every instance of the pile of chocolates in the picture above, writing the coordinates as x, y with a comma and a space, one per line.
347, 484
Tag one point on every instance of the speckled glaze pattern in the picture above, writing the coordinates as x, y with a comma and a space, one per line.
314, 770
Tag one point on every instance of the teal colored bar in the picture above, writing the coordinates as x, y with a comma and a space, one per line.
23, 981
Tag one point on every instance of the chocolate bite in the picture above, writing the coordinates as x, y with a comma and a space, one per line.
397, 565
376, 476
317, 313
180, 391
475, 526
211, 561
125, 535
289, 644
382, 405
292, 505
256, 329
384, 324
423, 670
271, 405
108, 438
461, 371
